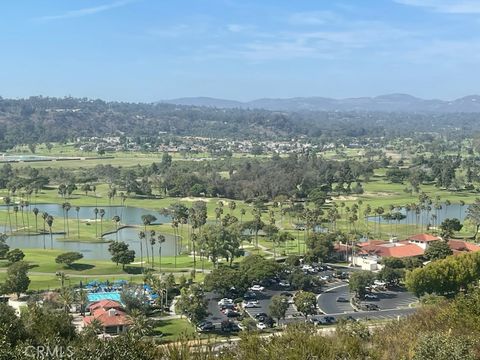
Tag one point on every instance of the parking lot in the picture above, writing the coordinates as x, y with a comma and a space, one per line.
386, 299
264, 299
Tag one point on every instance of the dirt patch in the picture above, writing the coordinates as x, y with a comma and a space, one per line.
346, 198
192, 199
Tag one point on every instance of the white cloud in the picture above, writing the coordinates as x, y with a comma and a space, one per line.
85, 11
446, 6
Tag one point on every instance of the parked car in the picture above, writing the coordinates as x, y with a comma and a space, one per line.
284, 283
372, 307
232, 313
250, 304
257, 288
262, 314
342, 299
379, 283
371, 296
227, 306
250, 295
225, 301
329, 319
206, 326
261, 326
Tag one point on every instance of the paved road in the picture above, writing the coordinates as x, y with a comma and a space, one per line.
387, 300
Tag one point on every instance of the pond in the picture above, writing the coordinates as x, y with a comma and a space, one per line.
130, 216
92, 251
427, 217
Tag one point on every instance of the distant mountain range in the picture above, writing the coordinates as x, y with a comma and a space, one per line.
389, 103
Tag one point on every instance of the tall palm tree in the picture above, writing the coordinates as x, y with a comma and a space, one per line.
141, 236
22, 206
66, 208
44, 217
7, 200
35, 212
15, 210
102, 214
82, 299
77, 209
50, 224
95, 211
152, 243
175, 231
116, 220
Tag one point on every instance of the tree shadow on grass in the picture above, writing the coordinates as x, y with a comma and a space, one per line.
81, 267
133, 270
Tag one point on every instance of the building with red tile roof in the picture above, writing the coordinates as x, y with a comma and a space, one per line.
371, 252
110, 314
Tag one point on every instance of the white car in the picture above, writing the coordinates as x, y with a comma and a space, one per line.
257, 288
250, 304
284, 283
371, 296
379, 283
225, 301
261, 326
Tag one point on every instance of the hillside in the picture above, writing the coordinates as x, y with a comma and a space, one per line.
387, 103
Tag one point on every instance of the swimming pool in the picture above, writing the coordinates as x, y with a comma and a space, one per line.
104, 296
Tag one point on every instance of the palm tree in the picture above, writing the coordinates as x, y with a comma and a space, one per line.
175, 231
66, 298
94, 328
140, 324
35, 212
82, 299
102, 214
15, 210
95, 211
77, 209
116, 220
152, 242
147, 219
7, 202
44, 217
66, 208
22, 205
141, 236
50, 223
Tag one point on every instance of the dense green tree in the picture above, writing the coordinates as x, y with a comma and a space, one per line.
359, 281
278, 307
306, 303
15, 255
438, 250
68, 258
17, 280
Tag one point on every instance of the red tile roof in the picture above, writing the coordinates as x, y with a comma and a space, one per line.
386, 249
105, 304
108, 312
460, 245
112, 317
424, 237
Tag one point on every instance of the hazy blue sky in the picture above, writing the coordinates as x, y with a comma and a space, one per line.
146, 50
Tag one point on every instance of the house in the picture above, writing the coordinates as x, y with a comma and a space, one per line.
370, 252
110, 314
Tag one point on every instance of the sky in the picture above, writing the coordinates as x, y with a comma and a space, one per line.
149, 50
